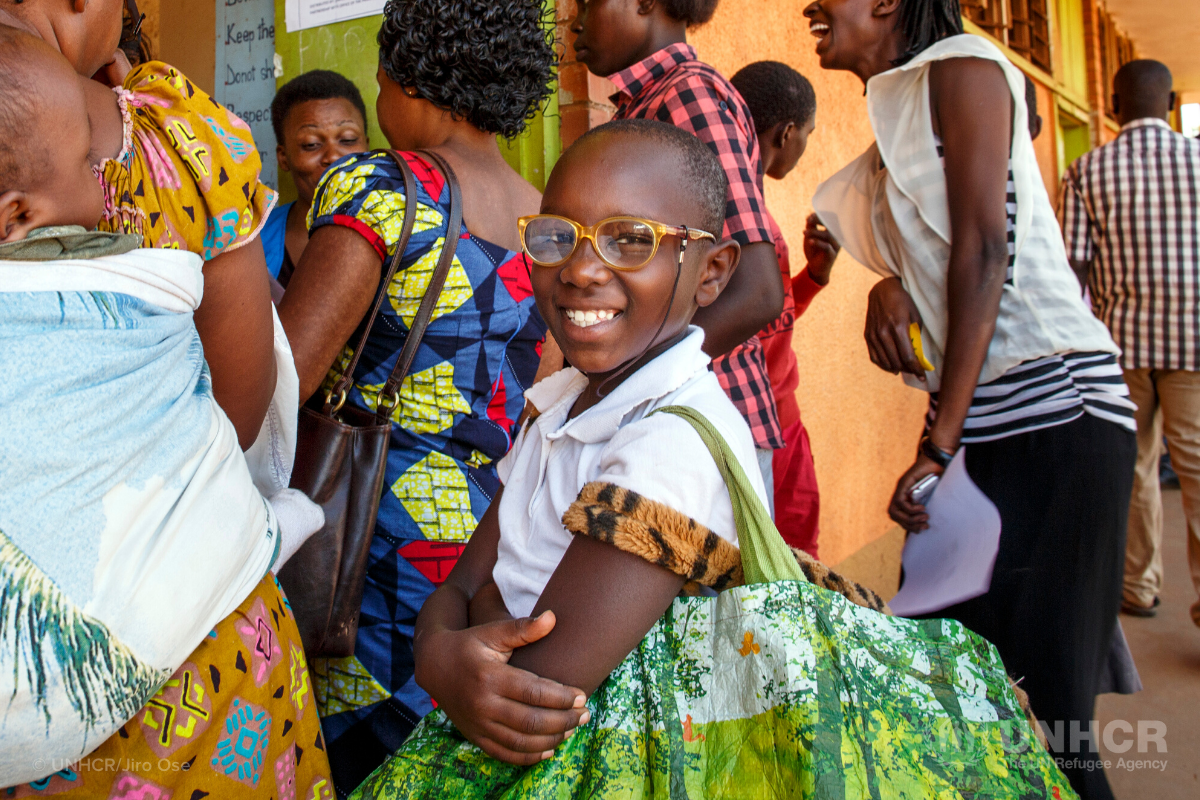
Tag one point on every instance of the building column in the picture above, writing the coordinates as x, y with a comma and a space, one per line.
583, 100
1097, 92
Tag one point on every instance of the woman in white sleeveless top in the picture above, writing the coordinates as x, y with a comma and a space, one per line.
949, 206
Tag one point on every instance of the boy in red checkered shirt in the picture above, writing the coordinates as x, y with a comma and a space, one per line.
641, 46
785, 107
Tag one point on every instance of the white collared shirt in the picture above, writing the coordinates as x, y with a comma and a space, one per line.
660, 457
890, 210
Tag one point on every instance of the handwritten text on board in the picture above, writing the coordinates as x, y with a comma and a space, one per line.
245, 79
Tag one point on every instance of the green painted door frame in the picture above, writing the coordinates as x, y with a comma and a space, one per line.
349, 48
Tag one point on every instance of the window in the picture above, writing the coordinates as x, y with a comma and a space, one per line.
987, 14
1116, 50
1030, 31
1190, 118
1023, 25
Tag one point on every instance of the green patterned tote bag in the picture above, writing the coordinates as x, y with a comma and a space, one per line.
773, 689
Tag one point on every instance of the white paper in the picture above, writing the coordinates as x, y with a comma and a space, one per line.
301, 14
952, 560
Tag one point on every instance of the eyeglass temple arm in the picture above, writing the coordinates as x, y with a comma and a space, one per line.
686, 233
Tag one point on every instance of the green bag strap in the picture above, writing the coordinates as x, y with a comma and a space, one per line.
765, 556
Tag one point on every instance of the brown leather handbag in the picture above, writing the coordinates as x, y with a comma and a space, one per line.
341, 456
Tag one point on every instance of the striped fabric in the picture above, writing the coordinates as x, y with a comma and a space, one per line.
1132, 209
1010, 207
1045, 392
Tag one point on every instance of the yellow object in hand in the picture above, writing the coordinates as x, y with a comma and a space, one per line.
914, 335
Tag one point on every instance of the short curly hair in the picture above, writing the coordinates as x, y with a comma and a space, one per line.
693, 12
317, 84
775, 93
489, 62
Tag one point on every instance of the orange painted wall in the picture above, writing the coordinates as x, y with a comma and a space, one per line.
864, 423
1045, 146
187, 38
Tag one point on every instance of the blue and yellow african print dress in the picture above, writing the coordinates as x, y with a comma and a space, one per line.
454, 422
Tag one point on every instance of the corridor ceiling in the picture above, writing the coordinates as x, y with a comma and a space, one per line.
1167, 31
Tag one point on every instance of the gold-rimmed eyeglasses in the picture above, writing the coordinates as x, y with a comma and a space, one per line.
623, 243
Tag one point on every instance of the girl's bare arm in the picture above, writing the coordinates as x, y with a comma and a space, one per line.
510, 713
605, 601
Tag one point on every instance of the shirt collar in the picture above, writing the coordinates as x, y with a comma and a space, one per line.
555, 395
1145, 122
632, 80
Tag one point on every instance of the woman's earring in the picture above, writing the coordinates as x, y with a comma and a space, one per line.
410, 92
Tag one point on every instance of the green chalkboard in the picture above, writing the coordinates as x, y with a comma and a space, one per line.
349, 48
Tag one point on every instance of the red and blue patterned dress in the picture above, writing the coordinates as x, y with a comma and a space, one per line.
455, 420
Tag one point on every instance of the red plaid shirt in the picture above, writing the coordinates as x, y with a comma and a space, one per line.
776, 338
672, 86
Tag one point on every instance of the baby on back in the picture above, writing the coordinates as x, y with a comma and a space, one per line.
46, 177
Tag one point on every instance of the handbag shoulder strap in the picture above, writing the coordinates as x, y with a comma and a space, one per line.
389, 395
765, 556
346, 379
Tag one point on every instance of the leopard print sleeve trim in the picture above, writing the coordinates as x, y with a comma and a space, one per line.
659, 534
821, 575
672, 540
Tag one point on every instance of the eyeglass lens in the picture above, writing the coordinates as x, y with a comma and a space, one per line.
624, 243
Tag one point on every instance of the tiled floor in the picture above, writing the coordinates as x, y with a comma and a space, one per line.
1167, 651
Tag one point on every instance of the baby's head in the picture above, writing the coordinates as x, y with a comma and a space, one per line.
46, 174
604, 312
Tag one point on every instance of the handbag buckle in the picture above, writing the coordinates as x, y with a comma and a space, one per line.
341, 401
388, 408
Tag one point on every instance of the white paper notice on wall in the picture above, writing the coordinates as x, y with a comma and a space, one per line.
301, 14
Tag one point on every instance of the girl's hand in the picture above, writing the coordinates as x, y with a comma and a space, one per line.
890, 312
903, 511
820, 249
510, 714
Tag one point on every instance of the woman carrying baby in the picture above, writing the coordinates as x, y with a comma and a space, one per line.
145, 647
183, 172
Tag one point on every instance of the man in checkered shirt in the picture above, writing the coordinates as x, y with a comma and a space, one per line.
643, 49
1130, 214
